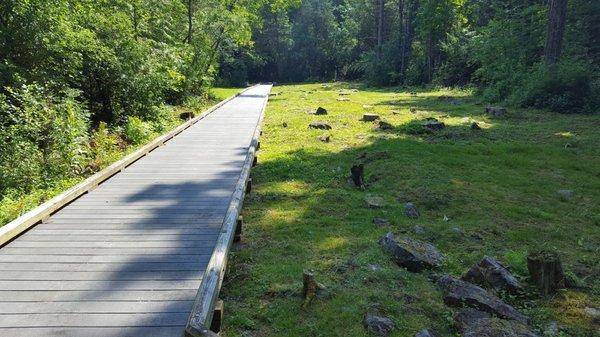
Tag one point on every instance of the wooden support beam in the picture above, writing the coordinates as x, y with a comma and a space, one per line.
217, 319
238, 229
255, 162
258, 146
249, 186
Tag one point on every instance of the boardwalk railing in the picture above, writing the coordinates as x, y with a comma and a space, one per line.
42, 212
201, 317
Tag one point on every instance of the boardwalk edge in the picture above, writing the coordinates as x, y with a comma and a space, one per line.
202, 312
16, 227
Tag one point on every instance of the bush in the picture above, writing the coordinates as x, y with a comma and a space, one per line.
136, 130
44, 137
567, 87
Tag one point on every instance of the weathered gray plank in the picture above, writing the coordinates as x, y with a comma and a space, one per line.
126, 259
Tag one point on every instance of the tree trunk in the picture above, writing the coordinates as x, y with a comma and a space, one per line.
380, 12
190, 10
556, 28
401, 33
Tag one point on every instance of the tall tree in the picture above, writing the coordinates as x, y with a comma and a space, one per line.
380, 18
556, 28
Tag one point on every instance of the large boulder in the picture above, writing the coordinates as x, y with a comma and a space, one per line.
458, 293
490, 273
475, 323
411, 254
379, 325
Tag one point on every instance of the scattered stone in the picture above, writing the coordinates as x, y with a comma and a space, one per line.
358, 175
285, 125
395, 112
374, 201
551, 329
381, 222
370, 117
495, 111
446, 218
565, 195
413, 110
458, 293
186, 116
325, 138
444, 98
411, 211
475, 126
456, 102
380, 325
433, 124
490, 273
425, 333
545, 270
319, 111
413, 93
274, 94
457, 230
310, 287
384, 125
419, 229
343, 99
367, 107
247, 333
475, 323
374, 267
592, 312
411, 254
319, 125
344, 93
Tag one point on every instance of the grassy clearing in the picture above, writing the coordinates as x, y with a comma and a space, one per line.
108, 148
499, 185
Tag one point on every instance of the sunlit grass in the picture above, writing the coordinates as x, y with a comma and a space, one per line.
498, 185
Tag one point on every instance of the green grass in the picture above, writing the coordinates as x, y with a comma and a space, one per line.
498, 185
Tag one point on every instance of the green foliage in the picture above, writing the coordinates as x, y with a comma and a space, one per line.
136, 130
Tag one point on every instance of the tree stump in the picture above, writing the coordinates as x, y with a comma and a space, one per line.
546, 271
311, 287
358, 175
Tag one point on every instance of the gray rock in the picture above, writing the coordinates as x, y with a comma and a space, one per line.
475, 126
457, 230
433, 124
425, 333
565, 195
319, 111
343, 99
495, 111
285, 125
411, 211
475, 323
490, 273
411, 254
458, 293
374, 201
384, 125
325, 138
319, 125
186, 116
551, 329
419, 229
381, 222
592, 312
380, 325
370, 117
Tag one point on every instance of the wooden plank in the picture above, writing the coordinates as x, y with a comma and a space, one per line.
92, 332
125, 267
200, 318
92, 307
115, 295
24, 222
103, 285
34, 275
103, 258
206, 249
92, 320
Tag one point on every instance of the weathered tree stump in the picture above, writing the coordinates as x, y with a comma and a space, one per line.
358, 175
546, 271
186, 116
310, 287
370, 117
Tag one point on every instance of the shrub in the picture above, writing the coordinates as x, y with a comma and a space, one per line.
136, 130
567, 87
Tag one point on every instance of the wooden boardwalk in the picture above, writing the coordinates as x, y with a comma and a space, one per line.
127, 258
